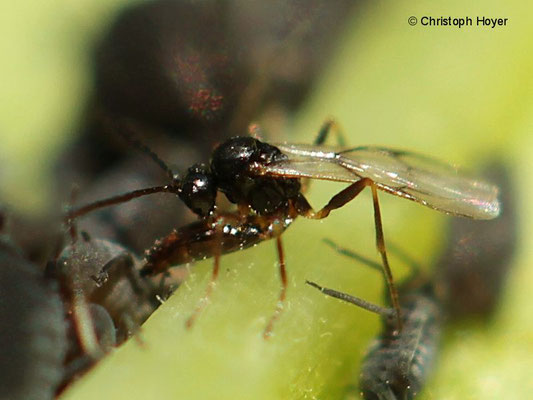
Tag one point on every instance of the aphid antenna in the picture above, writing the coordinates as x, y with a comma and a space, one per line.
349, 253
71, 225
383, 311
255, 131
407, 259
330, 125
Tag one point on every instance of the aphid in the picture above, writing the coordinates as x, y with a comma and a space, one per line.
102, 301
33, 340
473, 266
398, 363
204, 81
263, 180
101, 275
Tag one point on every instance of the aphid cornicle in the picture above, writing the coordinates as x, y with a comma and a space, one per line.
263, 180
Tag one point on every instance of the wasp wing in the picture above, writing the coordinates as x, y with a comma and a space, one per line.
413, 176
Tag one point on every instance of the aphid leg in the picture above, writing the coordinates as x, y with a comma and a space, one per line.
415, 275
84, 326
348, 253
339, 200
71, 226
111, 275
133, 328
113, 271
384, 311
281, 300
74, 367
255, 131
329, 126
214, 275
81, 314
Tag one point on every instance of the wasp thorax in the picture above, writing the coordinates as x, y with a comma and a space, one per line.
231, 165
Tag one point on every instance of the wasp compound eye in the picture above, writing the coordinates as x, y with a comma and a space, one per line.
199, 190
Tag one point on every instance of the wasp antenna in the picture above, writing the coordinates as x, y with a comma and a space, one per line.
127, 130
72, 214
131, 138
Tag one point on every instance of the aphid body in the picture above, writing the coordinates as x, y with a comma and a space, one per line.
33, 341
398, 363
472, 269
101, 273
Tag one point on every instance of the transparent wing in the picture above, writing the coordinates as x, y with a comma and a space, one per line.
409, 175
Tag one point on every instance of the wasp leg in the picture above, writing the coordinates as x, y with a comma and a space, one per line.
339, 200
281, 300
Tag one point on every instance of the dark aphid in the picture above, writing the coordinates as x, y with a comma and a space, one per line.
33, 340
98, 272
472, 270
192, 72
200, 81
398, 363
104, 300
263, 180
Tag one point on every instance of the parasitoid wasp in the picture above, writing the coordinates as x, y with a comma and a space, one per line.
264, 181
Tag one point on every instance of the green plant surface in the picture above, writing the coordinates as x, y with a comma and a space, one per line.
462, 95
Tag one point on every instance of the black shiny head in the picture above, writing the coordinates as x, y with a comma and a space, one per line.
199, 190
231, 167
